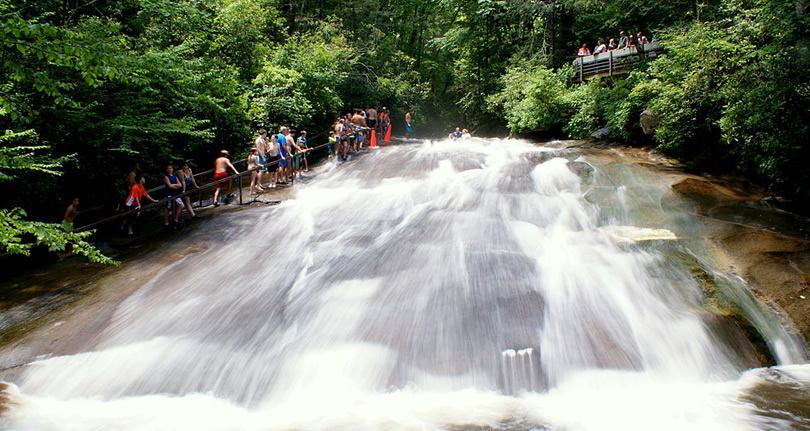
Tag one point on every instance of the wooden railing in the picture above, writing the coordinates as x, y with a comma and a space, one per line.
611, 63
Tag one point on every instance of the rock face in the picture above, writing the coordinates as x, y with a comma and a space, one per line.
582, 169
648, 122
767, 247
601, 133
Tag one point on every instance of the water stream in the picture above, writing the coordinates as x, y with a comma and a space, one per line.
460, 285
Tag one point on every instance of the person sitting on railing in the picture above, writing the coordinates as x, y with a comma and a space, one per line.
220, 171
611, 45
600, 47
187, 179
583, 51
133, 201
622, 40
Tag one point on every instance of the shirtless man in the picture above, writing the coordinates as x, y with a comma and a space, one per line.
408, 128
220, 171
371, 117
385, 120
70, 214
359, 125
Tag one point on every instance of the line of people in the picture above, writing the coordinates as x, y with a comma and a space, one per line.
625, 41
291, 154
351, 131
175, 184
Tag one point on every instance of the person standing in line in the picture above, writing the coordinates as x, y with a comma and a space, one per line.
408, 127
371, 118
271, 149
622, 40
221, 165
173, 188
359, 124
255, 174
261, 152
133, 201
283, 154
292, 150
187, 179
304, 148
583, 51
385, 120
332, 144
611, 45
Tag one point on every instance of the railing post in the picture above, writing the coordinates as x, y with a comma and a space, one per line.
610, 64
240, 189
581, 65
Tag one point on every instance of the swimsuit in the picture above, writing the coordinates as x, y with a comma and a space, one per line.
219, 176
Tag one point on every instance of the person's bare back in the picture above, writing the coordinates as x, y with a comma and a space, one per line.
221, 164
358, 120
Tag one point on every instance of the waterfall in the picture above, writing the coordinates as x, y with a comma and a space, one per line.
477, 284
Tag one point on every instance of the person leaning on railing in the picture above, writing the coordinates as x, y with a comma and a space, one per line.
187, 179
583, 51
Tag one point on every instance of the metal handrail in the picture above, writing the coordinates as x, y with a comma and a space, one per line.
207, 186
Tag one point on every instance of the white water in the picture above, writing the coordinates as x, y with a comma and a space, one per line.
450, 285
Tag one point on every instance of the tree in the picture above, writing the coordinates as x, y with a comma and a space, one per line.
19, 236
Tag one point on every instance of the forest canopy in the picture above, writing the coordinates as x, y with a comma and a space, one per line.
91, 86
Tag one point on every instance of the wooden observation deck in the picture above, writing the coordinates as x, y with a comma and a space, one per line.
612, 63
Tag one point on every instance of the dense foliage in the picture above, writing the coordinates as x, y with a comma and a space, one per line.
89, 87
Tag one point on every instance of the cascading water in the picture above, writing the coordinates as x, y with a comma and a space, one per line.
452, 285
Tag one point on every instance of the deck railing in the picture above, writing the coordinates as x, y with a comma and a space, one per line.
614, 62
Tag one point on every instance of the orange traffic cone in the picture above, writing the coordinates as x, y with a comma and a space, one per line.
388, 134
373, 138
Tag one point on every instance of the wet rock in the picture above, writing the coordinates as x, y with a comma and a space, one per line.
544, 156
649, 122
582, 169
601, 133
766, 247
741, 340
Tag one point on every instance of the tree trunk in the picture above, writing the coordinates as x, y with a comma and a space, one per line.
800, 7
